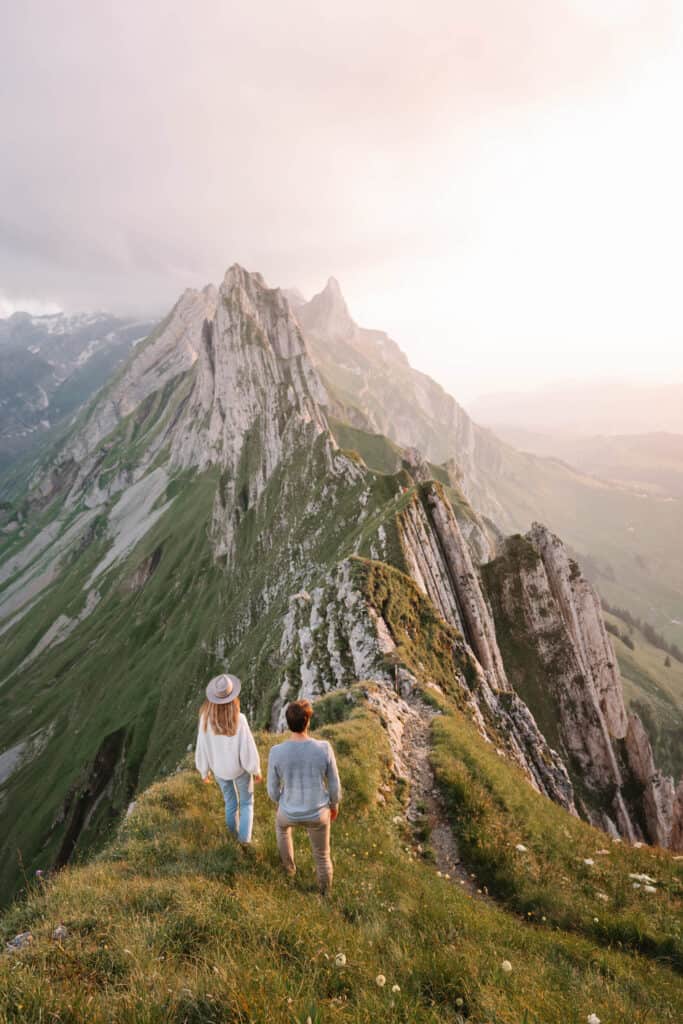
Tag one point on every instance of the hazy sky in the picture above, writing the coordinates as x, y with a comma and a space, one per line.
496, 183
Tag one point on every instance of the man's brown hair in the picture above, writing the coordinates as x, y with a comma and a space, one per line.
298, 715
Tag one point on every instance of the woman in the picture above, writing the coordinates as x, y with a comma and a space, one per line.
226, 747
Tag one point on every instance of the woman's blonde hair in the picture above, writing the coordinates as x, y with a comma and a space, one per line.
223, 718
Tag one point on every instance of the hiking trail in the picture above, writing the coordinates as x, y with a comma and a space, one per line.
408, 722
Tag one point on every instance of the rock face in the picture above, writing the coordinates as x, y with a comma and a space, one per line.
560, 660
440, 563
331, 638
255, 395
335, 636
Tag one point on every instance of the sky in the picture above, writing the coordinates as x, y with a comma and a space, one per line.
496, 184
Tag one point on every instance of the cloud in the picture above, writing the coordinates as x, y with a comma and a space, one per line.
147, 146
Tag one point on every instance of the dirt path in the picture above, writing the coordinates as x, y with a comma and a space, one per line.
408, 724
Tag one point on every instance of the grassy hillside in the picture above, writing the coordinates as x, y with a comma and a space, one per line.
174, 923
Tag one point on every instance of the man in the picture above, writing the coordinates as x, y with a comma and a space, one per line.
303, 781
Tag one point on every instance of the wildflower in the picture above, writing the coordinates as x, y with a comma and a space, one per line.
636, 885
592, 1019
649, 888
643, 878
340, 960
589, 861
381, 980
596, 920
39, 873
395, 988
603, 896
506, 967
520, 848
459, 1001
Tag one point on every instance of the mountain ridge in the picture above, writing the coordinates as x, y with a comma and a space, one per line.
186, 522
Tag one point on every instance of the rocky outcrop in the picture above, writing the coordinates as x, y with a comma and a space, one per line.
334, 636
331, 638
440, 563
255, 398
560, 660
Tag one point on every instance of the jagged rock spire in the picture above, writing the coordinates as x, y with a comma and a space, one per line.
327, 313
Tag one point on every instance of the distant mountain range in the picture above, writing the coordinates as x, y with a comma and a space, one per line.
51, 365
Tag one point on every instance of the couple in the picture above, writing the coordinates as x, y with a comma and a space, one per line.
302, 774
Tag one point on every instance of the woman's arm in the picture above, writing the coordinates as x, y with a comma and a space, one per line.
249, 755
201, 757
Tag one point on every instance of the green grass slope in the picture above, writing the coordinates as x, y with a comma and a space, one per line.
173, 923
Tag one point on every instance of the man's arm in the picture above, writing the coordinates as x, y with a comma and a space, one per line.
333, 783
273, 784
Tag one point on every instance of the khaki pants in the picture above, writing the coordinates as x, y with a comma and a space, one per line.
318, 829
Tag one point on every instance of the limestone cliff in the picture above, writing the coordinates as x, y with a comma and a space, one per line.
560, 660
440, 563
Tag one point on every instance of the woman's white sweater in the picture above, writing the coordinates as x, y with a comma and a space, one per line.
226, 756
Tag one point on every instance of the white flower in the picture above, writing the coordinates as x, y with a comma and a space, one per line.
602, 853
649, 888
340, 960
603, 896
636, 885
638, 846
506, 967
459, 1001
381, 980
589, 861
520, 848
643, 878
596, 920
394, 988
592, 1019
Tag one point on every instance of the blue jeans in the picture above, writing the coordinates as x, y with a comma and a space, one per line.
239, 805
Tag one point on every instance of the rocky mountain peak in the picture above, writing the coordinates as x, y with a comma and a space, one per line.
253, 374
327, 314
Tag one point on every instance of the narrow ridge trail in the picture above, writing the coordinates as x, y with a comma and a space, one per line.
408, 722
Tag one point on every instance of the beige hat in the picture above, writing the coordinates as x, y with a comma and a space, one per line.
222, 689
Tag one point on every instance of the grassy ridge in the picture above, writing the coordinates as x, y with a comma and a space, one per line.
174, 923
493, 809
